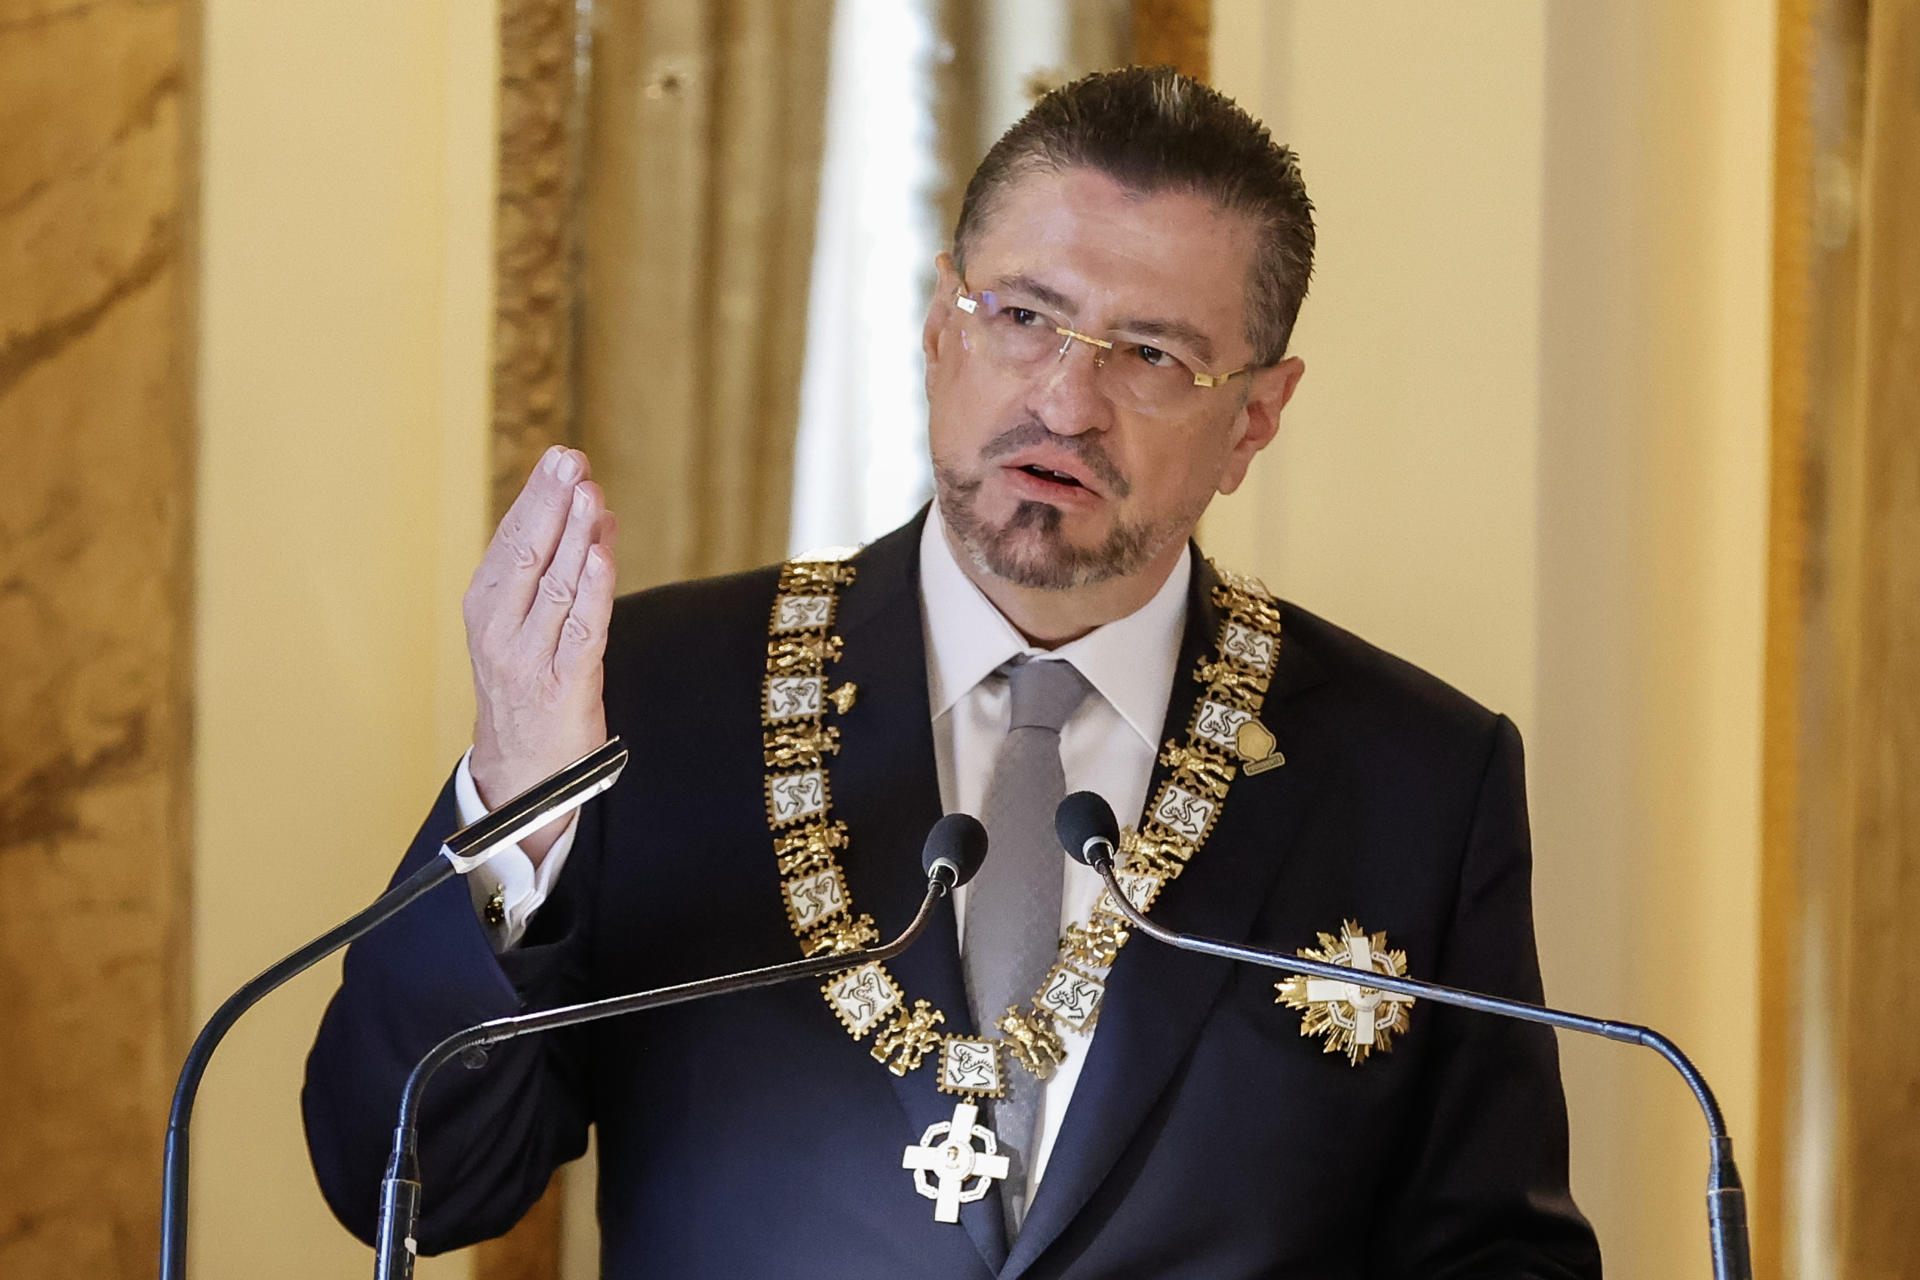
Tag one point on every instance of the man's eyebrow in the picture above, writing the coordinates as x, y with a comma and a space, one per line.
1025, 285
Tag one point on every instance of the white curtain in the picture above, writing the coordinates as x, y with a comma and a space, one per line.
860, 463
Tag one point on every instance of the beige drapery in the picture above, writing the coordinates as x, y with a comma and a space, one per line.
701, 167
1099, 34
653, 248
655, 234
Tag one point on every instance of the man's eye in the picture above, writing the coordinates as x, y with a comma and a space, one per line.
1156, 357
1023, 317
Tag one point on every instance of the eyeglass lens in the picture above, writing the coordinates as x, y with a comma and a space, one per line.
1022, 337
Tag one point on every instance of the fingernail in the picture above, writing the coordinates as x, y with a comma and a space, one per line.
551, 463
580, 502
569, 465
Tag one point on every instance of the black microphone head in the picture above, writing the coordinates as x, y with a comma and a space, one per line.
957, 845
1084, 821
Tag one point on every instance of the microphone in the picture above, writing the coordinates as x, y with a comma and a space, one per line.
462, 851
954, 850
1087, 830
1089, 833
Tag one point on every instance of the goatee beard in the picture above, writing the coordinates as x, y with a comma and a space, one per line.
1030, 550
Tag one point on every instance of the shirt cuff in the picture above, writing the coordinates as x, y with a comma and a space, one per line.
507, 888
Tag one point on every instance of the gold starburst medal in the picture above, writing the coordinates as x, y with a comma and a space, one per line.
1354, 1018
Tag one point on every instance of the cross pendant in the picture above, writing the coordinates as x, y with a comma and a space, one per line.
948, 1170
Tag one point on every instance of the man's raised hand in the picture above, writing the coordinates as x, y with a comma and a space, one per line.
536, 613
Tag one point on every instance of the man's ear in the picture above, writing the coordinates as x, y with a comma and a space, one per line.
1259, 419
945, 285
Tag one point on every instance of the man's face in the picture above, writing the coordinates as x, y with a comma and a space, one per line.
1048, 474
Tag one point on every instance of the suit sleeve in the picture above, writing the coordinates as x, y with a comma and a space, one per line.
490, 1138
1483, 1190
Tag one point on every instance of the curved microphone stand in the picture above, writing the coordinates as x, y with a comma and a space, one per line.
954, 851
1090, 836
463, 851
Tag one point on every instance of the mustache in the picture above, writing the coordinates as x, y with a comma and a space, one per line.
1086, 448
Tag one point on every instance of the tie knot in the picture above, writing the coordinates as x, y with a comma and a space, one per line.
1045, 693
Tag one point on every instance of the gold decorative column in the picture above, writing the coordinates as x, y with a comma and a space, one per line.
1878, 598
1840, 1101
535, 239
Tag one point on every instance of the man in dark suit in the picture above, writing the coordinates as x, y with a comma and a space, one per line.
1105, 351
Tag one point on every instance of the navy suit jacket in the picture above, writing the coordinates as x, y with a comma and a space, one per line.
751, 1136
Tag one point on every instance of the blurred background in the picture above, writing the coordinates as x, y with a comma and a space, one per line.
1612, 419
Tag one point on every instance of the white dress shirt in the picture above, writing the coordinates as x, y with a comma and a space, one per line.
1108, 745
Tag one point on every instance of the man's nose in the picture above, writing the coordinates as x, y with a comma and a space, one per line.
1070, 398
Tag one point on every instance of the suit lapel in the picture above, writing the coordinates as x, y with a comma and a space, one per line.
1158, 998
886, 789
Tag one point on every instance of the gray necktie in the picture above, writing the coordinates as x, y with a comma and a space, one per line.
1013, 905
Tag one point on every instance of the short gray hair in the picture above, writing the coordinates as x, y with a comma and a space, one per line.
1152, 129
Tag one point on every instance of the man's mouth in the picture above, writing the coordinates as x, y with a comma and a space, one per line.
1028, 447
1046, 473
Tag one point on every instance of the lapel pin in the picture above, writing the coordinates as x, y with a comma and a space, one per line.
1258, 748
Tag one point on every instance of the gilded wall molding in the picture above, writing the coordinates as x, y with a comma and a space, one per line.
534, 238
1839, 1121
534, 247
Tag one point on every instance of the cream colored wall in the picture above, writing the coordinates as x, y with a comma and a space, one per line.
1530, 454
345, 242
1399, 497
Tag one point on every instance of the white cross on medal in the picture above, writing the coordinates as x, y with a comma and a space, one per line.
1364, 1001
1355, 1018
951, 1173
